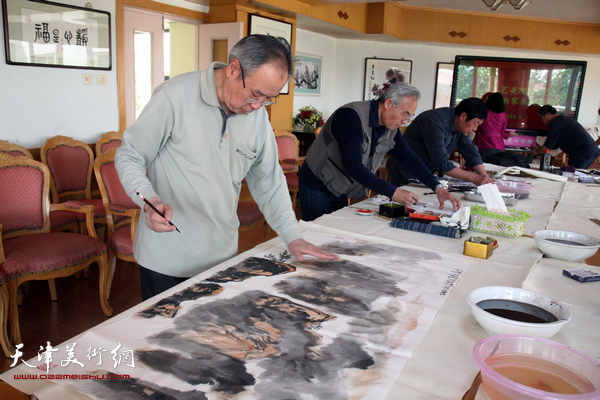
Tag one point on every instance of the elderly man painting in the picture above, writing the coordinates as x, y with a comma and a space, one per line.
199, 136
341, 163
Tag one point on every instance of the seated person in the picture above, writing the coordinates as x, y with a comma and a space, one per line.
434, 135
568, 135
342, 161
490, 135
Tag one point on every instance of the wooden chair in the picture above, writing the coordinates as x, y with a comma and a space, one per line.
251, 218
288, 147
14, 149
70, 162
29, 250
122, 214
108, 141
60, 220
7, 347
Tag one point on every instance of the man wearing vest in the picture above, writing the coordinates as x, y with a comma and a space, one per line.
342, 161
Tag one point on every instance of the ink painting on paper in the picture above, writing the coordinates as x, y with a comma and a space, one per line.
272, 327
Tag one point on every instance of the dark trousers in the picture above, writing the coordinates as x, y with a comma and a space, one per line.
154, 283
315, 203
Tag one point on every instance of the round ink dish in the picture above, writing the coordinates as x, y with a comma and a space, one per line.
364, 212
508, 310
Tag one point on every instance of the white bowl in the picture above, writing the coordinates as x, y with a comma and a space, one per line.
495, 325
565, 245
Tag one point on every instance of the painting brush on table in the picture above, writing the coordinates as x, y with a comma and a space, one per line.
155, 209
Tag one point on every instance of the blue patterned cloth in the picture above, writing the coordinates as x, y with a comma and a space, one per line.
426, 228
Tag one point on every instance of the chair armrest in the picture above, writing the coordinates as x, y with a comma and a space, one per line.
133, 213
78, 207
135, 216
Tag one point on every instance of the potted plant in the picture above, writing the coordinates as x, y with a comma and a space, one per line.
309, 118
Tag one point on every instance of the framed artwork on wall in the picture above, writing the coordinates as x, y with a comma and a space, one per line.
268, 26
48, 34
382, 72
307, 74
443, 85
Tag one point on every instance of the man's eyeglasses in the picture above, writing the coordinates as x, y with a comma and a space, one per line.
254, 101
406, 116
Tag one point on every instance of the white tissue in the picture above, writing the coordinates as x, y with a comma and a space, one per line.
460, 218
492, 197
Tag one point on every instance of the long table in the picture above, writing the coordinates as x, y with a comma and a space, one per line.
441, 366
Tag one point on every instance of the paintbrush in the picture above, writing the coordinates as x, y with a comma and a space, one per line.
155, 209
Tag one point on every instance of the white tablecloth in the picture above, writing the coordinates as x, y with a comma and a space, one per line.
441, 367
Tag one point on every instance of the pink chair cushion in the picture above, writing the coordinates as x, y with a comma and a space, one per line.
58, 219
32, 254
120, 241
292, 180
111, 144
15, 153
286, 146
21, 198
98, 207
288, 167
69, 167
114, 188
249, 213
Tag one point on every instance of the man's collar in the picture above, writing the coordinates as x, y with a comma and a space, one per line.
208, 86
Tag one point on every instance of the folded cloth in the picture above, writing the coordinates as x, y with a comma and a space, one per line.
451, 232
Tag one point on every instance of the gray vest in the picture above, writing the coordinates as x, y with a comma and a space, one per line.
325, 157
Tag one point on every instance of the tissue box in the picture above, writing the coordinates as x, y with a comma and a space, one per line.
509, 226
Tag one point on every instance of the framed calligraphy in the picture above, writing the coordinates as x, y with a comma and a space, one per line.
46, 34
382, 72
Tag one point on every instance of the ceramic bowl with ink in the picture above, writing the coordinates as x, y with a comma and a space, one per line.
565, 245
508, 310
520, 189
522, 367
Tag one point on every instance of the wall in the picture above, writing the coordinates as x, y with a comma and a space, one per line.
37, 103
310, 43
349, 58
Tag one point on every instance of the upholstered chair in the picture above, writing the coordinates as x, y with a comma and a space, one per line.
287, 146
70, 162
109, 140
122, 214
29, 250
